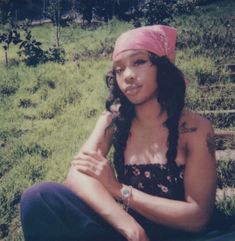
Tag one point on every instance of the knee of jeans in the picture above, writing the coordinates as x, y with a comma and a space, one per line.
32, 196
49, 192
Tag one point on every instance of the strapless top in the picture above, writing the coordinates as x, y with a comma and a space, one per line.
161, 180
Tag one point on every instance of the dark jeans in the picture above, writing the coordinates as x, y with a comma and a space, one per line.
51, 212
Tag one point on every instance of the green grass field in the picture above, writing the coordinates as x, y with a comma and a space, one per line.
46, 112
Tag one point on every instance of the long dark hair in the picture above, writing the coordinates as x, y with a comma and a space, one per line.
170, 95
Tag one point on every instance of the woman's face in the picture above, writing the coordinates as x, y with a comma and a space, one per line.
136, 76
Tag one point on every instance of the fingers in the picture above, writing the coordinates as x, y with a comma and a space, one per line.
87, 167
96, 155
83, 166
87, 163
84, 157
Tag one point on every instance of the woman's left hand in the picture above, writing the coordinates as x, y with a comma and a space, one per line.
96, 165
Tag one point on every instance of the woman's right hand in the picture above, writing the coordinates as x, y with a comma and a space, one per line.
136, 234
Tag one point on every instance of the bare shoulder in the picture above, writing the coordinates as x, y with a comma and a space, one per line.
193, 123
197, 132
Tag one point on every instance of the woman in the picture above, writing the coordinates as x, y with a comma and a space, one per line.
164, 172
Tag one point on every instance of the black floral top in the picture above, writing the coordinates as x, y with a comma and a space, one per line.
156, 179
162, 180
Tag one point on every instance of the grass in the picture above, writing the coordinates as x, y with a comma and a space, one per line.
226, 173
47, 112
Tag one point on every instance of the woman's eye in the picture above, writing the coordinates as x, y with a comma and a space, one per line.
118, 71
140, 61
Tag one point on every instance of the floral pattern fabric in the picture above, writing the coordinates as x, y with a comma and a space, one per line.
156, 179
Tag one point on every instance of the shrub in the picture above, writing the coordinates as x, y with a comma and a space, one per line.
33, 52
183, 6
164, 10
217, 43
11, 36
157, 11
31, 49
56, 54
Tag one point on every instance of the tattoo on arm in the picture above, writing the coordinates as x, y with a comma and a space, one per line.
185, 129
210, 140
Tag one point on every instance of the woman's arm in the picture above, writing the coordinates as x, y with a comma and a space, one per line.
100, 200
94, 193
200, 185
100, 139
199, 182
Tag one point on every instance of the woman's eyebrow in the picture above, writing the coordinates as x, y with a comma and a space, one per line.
116, 63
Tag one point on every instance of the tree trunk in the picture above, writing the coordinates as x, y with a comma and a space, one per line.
57, 36
43, 9
6, 57
58, 25
73, 7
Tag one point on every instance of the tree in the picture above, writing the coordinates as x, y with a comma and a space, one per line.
85, 7
34, 54
104, 9
11, 36
54, 11
158, 12
31, 48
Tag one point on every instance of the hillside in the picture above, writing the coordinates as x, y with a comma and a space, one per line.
47, 111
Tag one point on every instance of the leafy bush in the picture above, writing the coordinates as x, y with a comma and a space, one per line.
183, 6
210, 41
31, 49
11, 36
33, 52
162, 11
157, 11
205, 2
56, 54
55, 9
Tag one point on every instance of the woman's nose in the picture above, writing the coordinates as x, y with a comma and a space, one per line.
129, 75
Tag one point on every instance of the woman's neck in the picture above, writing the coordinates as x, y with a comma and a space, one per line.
149, 114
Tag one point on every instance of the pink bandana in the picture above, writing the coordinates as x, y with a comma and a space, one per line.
158, 39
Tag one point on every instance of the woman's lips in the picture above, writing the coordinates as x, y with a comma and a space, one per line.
132, 90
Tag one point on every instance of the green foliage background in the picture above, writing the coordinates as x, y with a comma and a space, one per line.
47, 112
